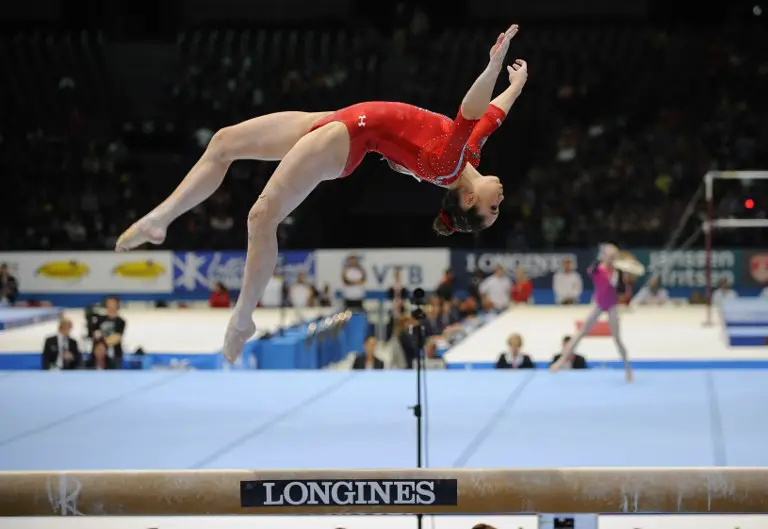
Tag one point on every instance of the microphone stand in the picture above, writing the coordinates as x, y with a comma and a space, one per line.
418, 332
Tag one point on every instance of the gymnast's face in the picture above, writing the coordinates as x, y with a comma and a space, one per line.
486, 195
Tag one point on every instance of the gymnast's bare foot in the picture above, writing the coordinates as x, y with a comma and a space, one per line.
629, 375
237, 334
144, 230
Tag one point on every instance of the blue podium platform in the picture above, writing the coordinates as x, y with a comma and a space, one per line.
746, 321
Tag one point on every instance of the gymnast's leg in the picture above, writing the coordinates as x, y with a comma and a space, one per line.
613, 323
318, 156
267, 137
588, 324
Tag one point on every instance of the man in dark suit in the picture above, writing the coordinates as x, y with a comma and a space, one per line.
60, 351
513, 357
368, 360
576, 362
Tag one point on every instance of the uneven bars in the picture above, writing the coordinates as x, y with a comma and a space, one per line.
738, 223
711, 176
426, 491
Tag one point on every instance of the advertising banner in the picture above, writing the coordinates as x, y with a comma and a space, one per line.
194, 273
539, 266
419, 268
689, 268
90, 272
754, 269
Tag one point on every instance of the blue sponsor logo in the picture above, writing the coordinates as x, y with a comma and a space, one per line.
197, 272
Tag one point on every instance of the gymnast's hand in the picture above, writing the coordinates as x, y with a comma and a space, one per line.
500, 47
518, 75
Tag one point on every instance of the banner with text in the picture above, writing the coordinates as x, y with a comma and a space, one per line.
538, 266
689, 268
90, 272
419, 268
195, 273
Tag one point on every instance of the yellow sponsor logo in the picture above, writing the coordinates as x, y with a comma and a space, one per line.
63, 270
139, 270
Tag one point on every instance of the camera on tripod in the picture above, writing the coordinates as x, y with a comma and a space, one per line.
418, 300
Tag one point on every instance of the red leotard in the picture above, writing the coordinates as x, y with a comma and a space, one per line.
415, 141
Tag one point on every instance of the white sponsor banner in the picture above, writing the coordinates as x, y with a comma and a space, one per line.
683, 521
419, 268
269, 522
91, 272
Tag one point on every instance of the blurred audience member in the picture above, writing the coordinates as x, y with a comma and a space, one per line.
724, 292
473, 288
397, 290
448, 315
353, 278
324, 296
275, 292
446, 289
697, 298
575, 362
368, 359
60, 351
496, 289
651, 294
301, 294
567, 284
468, 307
395, 312
99, 359
432, 313
406, 339
219, 298
522, 289
513, 357
431, 360
9, 286
111, 328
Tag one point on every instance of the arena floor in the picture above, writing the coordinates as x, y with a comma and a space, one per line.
216, 419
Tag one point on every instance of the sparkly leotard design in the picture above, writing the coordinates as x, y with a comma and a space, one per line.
415, 141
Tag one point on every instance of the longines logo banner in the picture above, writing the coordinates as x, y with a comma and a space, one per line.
404, 492
538, 266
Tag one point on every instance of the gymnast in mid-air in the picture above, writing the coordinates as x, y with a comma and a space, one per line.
315, 147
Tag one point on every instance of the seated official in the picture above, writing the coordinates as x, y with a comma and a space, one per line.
60, 351
576, 361
651, 294
513, 357
99, 359
368, 359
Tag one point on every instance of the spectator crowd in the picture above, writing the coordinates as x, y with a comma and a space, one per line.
617, 126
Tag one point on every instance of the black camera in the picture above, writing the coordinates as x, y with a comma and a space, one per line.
418, 300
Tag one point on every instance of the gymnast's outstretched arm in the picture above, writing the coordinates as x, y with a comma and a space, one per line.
499, 108
518, 75
478, 97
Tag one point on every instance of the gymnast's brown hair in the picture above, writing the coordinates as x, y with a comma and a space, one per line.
453, 218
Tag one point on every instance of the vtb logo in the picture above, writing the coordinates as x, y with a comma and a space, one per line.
758, 267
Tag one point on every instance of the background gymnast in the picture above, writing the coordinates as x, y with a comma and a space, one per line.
314, 147
605, 277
